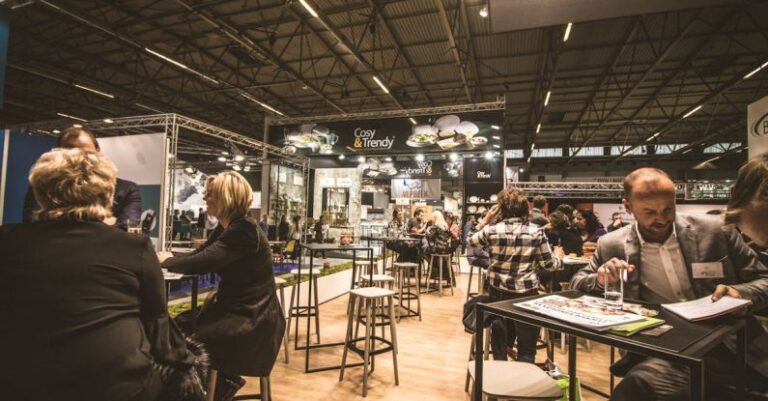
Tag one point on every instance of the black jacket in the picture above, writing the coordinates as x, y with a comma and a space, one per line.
126, 204
569, 240
84, 314
243, 326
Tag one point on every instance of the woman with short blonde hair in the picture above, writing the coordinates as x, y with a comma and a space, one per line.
242, 326
72, 184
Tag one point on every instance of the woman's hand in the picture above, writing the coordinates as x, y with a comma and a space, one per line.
163, 255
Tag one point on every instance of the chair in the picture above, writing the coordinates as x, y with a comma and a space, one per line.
512, 380
443, 260
311, 309
369, 296
264, 385
280, 283
403, 272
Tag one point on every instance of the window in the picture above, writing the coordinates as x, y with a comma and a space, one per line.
547, 152
587, 151
667, 148
618, 150
721, 147
514, 153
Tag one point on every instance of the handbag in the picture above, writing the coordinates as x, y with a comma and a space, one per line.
185, 382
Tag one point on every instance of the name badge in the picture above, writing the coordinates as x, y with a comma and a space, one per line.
708, 270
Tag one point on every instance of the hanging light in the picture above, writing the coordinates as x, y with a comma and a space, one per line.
484, 12
567, 32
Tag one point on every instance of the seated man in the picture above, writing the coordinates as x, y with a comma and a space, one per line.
662, 253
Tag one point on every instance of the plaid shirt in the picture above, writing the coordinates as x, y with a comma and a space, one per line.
517, 251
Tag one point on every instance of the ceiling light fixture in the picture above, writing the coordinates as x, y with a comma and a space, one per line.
756, 70
546, 99
654, 136
496, 137
484, 12
108, 120
361, 159
496, 127
309, 8
381, 85
236, 167
567, 32
225, 153
239, 158
264, 105
688, 114
413, 121
419, 157
143, 106
489, 155
221, 159
71, 116
180, 65
342, 157
538, 128
454, 157
56, 131
96, 91
77, 126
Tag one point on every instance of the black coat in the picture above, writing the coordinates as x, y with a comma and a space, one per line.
84, 314
125, 205
242, 327
569, 240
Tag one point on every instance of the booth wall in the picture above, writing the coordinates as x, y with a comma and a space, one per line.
23, 151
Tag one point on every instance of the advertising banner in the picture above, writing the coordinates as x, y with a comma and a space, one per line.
416, 188
757, 127
437, 133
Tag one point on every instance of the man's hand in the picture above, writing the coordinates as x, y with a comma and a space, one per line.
559, 252
163, 255
723, 290
609, 272
493, 216
110, 221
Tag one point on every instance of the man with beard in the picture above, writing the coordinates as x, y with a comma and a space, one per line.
665, 255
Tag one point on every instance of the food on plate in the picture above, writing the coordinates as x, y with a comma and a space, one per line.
446, 144
479, 140
447, 134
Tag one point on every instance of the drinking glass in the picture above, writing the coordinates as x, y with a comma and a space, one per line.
133, 226
614, 293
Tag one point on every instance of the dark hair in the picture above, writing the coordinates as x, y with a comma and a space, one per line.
417, 212
72, 133
395, 213
559, 220
629, 180
615, 214
751, 184
591, 218
513, 203
566, 209
539, 201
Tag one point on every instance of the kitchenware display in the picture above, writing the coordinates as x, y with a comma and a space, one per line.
482, 209
447, 123
494, 198
473, 199
472, 209
479, 140
467, 128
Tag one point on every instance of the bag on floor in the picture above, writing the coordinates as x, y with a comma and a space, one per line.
469, 316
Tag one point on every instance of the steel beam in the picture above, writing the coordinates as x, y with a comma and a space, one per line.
453, 46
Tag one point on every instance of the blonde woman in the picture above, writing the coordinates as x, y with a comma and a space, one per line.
438, 236
243, 325
83, 303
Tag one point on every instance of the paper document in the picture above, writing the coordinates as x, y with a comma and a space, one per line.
585, 311
705, 308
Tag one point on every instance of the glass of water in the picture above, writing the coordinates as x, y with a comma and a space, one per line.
614, 293
133, 226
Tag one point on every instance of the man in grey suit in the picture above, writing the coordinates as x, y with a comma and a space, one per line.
671, 258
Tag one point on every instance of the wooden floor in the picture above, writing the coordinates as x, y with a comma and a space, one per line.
432, 359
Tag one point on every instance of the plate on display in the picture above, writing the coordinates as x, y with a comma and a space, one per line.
494, 198
473, 199
447, 123
467, 128
479, 140
481, 209
472, 209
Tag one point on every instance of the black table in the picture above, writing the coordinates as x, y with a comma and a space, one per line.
312, 248
195, 285
686, 343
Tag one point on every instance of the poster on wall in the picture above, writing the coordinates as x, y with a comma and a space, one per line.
416, 188
435, 133
757, 127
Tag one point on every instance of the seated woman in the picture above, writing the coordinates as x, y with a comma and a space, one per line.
83, 303
588, 226
437, 240
558, 234
243, 324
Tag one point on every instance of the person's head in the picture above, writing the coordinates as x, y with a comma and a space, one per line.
649, 194
587, 221
74, 185
539, 202
296, 220
228, 196
79, 138
199, 210
749, 200
559, 220
264, 218
616, 216
471, 219
513, 203
438, 220
396, 214
418, 214
566, 209
176, 212
283, 220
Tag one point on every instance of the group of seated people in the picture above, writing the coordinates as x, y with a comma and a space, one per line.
85, 305
663, 252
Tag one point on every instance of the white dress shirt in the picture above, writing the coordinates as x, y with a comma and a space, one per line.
663, 272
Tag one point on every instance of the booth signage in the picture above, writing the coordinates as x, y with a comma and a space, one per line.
757, 126
343, 182
482, 170
365, 139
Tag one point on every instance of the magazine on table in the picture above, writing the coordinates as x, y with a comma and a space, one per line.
585, 311
704, 308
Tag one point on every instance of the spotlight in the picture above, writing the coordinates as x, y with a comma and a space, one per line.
77, 126
342, 157
239, 158
236, 167
56, 131
361, 159
496, 127
489, 155
454, 157
222, 159
419, 157
484, 12
387, 159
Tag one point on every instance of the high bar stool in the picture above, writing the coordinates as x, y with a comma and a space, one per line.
443, 259
309, 310
362, 269
368, 296
280, 284
403, 272
264, 388
529, 383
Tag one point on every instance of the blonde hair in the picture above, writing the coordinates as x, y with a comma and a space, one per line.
751, 185
231, 193
438, 220
74, 185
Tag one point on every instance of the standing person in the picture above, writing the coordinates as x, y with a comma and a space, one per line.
242, 325
200, 219
588, 226
264, 225
84, 309
537, 214
320, 230
438, 235
616, 222
176, 215
296, 230
126, 204
283, 229
518, 251
663, 253
469, 227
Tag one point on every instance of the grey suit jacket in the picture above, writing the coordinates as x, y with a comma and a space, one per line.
701, 239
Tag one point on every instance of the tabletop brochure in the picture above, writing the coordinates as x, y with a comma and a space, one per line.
585, 311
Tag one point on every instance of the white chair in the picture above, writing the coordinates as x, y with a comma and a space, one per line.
512, 380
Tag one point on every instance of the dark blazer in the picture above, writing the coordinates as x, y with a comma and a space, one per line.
126, 203
243, 325
701, 239
84, 314
569, 240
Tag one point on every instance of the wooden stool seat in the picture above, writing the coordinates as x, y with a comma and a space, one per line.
379, 278
372, 292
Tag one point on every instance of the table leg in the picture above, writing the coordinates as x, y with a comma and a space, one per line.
193, 308
571, 366
309, 310
741, 364
370, 263
696, 374
479, 320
